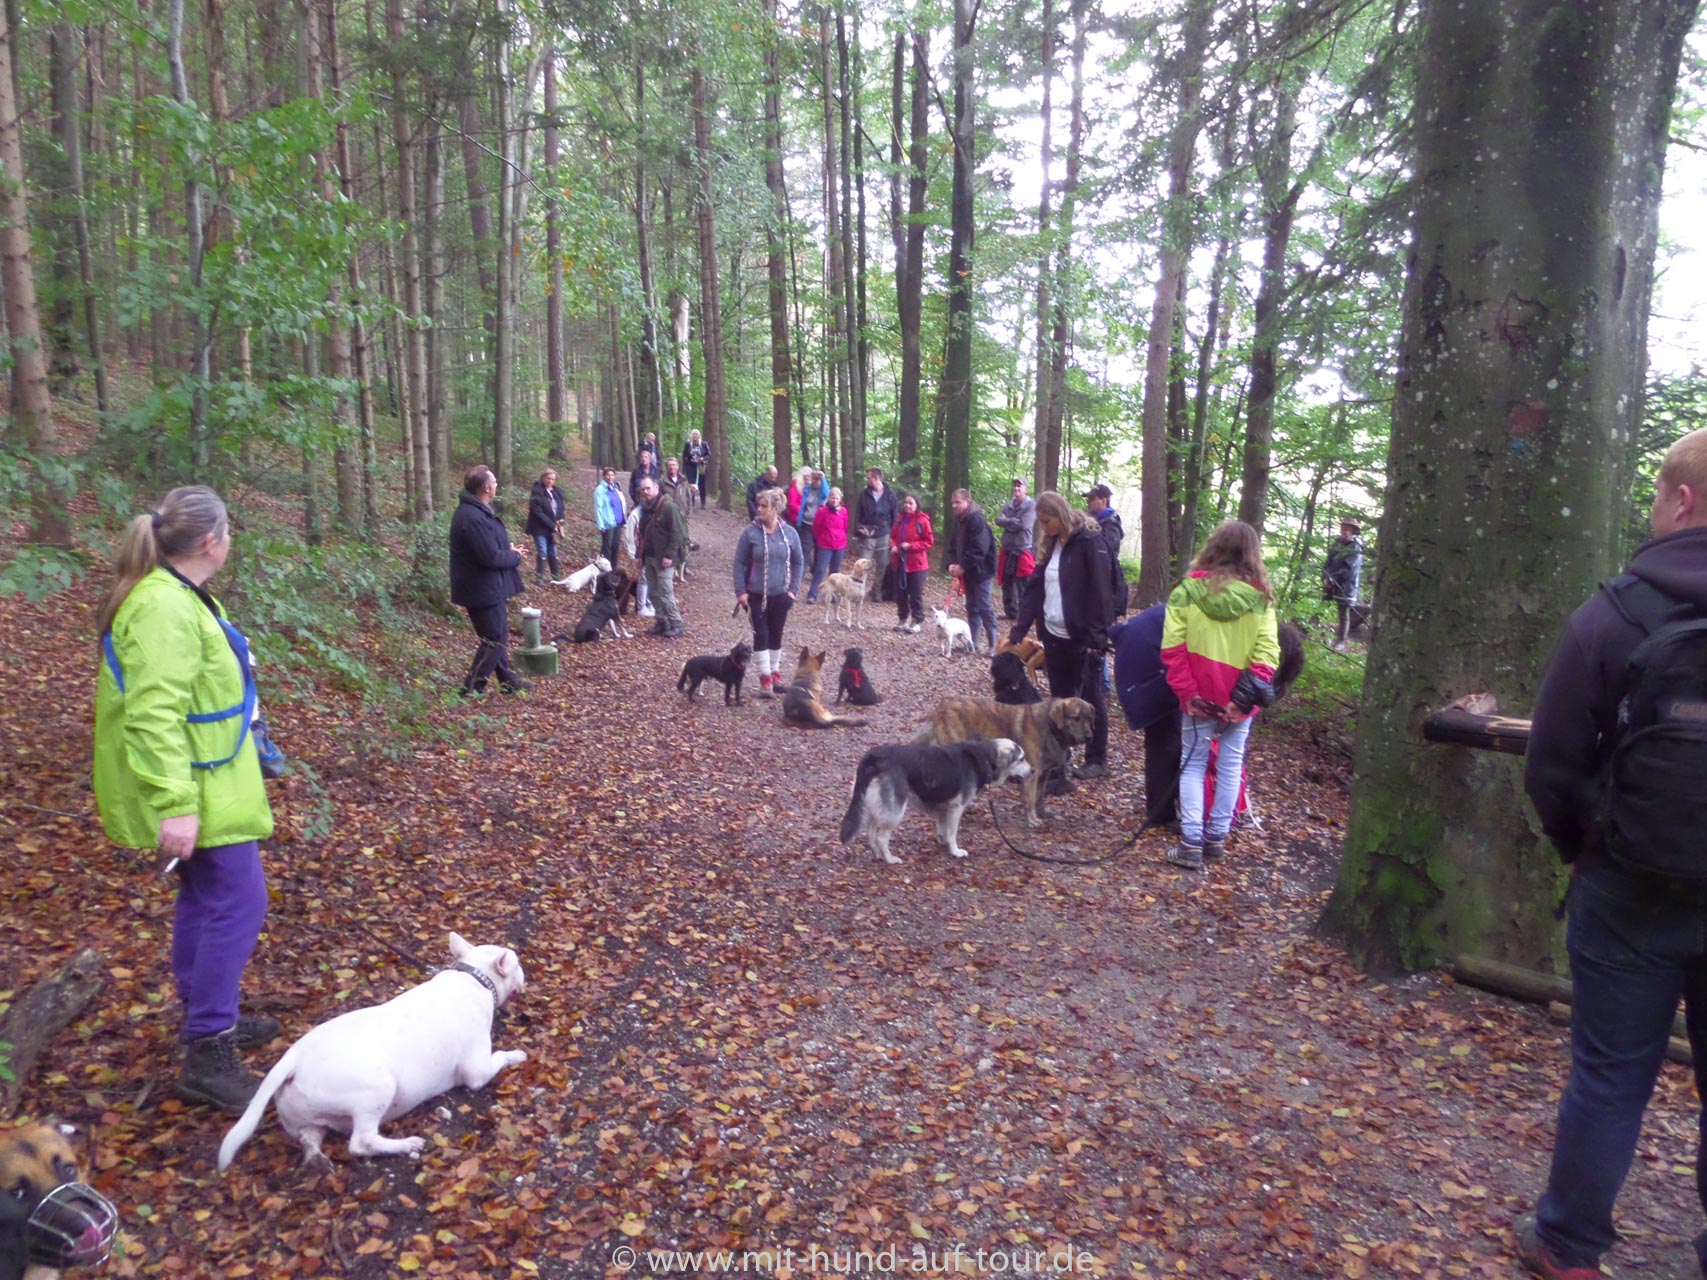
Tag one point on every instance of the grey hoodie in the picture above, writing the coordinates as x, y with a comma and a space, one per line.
768, 565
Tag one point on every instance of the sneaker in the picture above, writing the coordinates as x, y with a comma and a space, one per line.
901, 626
765, 687
1090, 769
514, 686
693, 546
913, 628
1539, 1259
1213, 849
253, 1030
647, 612
1189, 856
214, 1074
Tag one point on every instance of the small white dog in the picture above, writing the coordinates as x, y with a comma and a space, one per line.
953, 631
371, 1065
583, 577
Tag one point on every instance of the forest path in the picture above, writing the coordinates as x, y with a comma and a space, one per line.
742, 1036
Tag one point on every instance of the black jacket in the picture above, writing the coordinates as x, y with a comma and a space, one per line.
1084, 592
546, 509
483, 569
1113, 534
637, 475
972, 546
1576, 707
877, 512
759, 485
661, 535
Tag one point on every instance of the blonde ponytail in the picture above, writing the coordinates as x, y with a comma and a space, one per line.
183, 519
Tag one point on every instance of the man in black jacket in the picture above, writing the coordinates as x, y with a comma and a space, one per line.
1342, 576
1637, 940
972, 559
874, 516
766, 480
1097, 501
546, 509
484, 573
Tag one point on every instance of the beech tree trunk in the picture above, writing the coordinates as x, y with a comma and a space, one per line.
910, 282
201, 341
1046, 452
956, 389
556, 395
1176, 247
413, 352
776, 265
714, 423
1059, 329
32, 422
1514, 425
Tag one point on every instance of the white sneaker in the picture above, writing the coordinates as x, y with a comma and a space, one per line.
647, 612
913, 628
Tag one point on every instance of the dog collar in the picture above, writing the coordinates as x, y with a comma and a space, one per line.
482, 979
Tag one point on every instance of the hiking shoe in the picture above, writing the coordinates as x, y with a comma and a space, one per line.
514, 686
471, 691
214, 1074
1213, 849
1090, 769
1539, 1259
913, 628
765, 687
900, 626
1189, 856
254, 1030
672, 632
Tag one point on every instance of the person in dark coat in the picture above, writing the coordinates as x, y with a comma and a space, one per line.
768, 480
873, 516
485, 571
1067, 597
1097, 501
1017, 520
1636, 940
647, 470
972, 559
696, 461
546, 509
1149, 705
1342, 576
661, 541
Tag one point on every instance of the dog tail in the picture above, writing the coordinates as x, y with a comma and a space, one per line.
856, 803
244, 1129
682, 683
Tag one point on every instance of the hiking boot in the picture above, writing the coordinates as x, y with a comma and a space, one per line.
1090, 769
1539, 1259
674, 630
254, 1030
514, 686
1213, 849
471, 691
214, 1074
1188, 856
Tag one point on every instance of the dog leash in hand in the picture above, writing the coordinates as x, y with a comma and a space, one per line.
1110, 856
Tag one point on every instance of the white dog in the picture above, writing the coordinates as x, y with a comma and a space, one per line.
848, 589
953, 631
583, 577
371, 1065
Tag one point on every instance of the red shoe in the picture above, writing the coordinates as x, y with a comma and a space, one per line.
1536, 1256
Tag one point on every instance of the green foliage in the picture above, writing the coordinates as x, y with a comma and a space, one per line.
1329, 688
7, 1076
37, 572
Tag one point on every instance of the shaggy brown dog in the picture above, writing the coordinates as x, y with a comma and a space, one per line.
1047, 731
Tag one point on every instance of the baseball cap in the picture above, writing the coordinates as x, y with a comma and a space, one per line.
1099, 491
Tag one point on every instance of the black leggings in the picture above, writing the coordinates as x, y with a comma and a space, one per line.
769, 614
1075, 673
911, 595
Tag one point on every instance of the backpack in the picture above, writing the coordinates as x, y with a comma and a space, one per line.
1654, 792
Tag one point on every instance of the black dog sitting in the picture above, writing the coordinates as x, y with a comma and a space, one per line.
855, 685
604, 609
1012, 685
728, 669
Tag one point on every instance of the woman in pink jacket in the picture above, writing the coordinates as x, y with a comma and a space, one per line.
830, 537
910, 543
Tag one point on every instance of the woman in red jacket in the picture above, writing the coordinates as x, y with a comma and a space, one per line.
910, 543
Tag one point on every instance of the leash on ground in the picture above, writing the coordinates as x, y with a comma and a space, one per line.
1110, 856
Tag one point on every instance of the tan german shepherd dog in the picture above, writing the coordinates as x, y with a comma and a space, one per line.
803, 703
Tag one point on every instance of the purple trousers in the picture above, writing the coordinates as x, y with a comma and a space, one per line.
222, 901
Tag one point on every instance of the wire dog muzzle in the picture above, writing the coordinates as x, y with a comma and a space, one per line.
72, 1226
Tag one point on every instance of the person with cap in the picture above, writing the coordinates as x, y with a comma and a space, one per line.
1098, 500
1342, 575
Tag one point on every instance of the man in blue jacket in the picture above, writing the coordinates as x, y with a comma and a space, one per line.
1141, 684
485, 571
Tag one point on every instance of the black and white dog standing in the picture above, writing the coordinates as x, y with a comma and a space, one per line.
943, 780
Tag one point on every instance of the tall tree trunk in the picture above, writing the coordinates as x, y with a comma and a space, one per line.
479, 212
910, 282
1175, 249
556, 396
219, 103
436, 336
957, 357
1060, 330
716, 420
414, 352
503, 368
835, 337
1279, 203
68, 118
853, 419
60, 329
776, 267
649, 404
1515, 416
1046, 452
201, 361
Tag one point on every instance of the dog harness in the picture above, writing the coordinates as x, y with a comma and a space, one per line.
244, 709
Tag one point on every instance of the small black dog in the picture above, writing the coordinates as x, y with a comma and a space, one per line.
1012, 685
728, 669
604, 610
855, 685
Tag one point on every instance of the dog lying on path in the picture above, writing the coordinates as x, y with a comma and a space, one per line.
1046, 731
943, 780
371, 1065
803, 701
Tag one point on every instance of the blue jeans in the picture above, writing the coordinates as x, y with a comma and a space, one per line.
544, 552
825, 561
1195, 736
1635, 947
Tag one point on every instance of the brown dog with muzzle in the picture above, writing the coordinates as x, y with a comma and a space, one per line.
49, 1220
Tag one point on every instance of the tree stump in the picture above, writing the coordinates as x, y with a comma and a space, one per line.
41, 1013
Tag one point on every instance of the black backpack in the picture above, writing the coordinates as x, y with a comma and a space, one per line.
1654, 798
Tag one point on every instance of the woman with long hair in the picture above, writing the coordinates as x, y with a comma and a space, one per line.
910, 543
1069, 597
768, 569
1220, 645
176, 770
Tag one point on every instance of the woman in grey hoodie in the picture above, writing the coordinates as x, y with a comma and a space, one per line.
768, 567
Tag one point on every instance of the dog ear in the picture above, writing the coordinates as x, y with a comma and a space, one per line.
458, 947
506, 962
805, 653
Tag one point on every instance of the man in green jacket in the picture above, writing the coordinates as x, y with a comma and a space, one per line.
661, 542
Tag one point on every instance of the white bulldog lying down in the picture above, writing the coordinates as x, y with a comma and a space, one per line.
371, 1065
